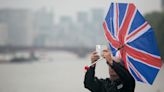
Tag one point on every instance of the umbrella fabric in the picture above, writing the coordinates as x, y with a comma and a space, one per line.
131, 38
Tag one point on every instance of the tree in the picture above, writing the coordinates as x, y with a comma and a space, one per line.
156, 20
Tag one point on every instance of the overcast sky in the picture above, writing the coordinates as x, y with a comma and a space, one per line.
70, 7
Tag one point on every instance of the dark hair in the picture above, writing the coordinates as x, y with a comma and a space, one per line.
121, 63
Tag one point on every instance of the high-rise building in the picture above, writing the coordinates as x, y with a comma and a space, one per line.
3, 34
43, 25
82, 17
66, 32
19, 24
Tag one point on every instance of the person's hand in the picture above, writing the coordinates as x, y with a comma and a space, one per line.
94, 57
108, 56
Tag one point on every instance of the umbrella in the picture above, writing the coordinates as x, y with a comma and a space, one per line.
132, 38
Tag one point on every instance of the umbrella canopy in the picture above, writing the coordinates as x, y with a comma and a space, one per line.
131, 38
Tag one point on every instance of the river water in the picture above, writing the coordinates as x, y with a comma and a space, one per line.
63, 73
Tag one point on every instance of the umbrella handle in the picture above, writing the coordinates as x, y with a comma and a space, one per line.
96, 62
99, 60
88, 66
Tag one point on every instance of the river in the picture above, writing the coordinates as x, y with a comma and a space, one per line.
63, 73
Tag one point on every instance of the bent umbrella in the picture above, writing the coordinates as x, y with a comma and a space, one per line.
132, 38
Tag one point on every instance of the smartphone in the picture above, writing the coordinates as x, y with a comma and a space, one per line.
99, 49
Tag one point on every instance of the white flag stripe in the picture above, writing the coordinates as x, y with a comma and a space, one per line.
140, 33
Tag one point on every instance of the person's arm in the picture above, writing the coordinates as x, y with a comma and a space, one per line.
90, 81
124, 75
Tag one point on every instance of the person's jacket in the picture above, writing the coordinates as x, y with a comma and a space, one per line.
125, 83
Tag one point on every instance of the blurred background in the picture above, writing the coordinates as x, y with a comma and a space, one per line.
45, 44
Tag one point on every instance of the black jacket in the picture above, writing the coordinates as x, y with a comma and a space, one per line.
125, 83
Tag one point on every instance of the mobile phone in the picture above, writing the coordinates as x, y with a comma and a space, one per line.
99, 49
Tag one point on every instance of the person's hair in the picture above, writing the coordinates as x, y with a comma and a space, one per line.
121, 63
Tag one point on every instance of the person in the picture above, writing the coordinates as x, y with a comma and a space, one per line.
120, 79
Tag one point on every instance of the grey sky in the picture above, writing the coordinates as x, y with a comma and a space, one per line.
70, 7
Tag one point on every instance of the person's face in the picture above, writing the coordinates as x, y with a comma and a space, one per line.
113, 75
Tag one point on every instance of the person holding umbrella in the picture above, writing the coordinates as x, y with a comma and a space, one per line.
120, 79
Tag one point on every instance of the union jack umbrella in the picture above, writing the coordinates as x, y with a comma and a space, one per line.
131, 38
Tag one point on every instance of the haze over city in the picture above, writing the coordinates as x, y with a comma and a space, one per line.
71, 7
45, 44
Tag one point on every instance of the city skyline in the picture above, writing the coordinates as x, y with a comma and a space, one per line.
42, 28
37, 28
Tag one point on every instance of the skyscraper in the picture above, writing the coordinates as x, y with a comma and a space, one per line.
3, 34
82, 17
43, 26
20, 27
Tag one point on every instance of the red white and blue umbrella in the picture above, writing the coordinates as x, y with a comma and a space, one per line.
132, 38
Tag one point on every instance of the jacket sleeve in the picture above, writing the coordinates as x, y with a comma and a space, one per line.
125, 76
91, 82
